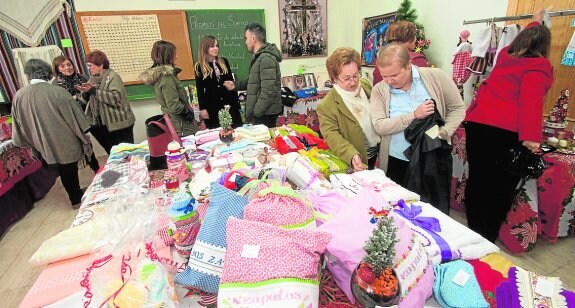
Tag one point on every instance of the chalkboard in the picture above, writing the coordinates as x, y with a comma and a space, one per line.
228, 26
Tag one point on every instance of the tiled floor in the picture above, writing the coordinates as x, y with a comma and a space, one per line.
53, 214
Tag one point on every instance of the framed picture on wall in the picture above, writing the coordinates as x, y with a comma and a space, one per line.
310, 80
373, 36
299, 82
303, 28
288, 81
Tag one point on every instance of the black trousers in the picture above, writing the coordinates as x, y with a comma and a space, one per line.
396, 170
109, 139
490, 189
70, 181
267, 120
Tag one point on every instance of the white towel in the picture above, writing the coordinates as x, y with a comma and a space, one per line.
481, 43
376, 179
463, 242
510, 32
22, 55
28, 20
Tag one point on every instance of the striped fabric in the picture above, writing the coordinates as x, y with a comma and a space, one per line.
65, 27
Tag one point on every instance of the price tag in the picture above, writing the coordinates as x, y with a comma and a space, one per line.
233, 177
461, 278
544, 287
250, 251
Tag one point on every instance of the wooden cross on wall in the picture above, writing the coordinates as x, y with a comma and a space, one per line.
304, 7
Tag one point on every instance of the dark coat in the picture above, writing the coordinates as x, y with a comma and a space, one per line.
213, 96
264, 83
430, 162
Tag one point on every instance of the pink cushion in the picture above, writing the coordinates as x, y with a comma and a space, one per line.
282, 253
280, 210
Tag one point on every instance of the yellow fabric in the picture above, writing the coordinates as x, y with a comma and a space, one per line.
498, 263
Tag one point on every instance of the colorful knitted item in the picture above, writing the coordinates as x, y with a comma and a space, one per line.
207, 257
302, 129
488, 280
185, 224
263, 260
448, 293
523, 285
280, 206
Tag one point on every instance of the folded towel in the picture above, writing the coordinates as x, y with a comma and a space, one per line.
258, 132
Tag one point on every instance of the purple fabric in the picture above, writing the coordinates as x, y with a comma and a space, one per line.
503, 295
429, 224
569, 297
329, 203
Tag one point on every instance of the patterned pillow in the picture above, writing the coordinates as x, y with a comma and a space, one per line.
207, 258
280, 206
263, 260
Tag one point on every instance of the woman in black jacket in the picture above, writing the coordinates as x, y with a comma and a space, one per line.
211, 72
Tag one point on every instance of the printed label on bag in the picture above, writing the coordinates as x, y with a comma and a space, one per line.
250, 251
461, 278
544, 287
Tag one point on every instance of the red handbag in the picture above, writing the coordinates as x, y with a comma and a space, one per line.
160, 132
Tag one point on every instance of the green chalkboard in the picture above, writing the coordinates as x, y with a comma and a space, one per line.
142, 91
228, 26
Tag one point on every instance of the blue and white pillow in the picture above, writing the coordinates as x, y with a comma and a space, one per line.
207, 258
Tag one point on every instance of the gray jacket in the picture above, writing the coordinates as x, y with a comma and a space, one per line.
264, 83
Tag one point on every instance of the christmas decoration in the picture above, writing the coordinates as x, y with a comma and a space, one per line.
558, 113
374, 282
226, 132
406, 12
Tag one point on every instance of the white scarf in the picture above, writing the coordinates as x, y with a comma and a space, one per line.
358, 104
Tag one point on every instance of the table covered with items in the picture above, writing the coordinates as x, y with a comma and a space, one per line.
272, 219
23, 180
544, 207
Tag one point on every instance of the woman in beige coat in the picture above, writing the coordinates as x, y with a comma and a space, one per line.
406, 93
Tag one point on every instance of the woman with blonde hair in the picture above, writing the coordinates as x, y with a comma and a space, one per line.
170, 92
344, 114
211, 72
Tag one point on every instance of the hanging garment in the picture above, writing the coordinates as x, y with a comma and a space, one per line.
508, 34
484, 50
22, 55
430, 161
569, 55
28, 20
461, 59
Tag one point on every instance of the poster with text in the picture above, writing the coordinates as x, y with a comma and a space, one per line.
373, 36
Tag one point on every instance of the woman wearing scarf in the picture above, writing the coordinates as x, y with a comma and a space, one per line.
67, 78
344, 114
211, 72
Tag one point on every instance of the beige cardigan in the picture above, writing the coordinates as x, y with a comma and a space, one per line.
440, 87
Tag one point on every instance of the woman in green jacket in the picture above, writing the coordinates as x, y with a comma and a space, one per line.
170, 92
344, 118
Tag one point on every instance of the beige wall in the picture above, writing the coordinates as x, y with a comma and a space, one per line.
344, 29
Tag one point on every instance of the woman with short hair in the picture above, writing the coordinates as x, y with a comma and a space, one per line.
344, 114
107, 108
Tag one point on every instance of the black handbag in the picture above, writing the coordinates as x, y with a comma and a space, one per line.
524, 163
288, 97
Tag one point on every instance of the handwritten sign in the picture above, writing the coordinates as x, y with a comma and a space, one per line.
125, 39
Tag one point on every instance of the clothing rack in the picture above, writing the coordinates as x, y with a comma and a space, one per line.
518, 17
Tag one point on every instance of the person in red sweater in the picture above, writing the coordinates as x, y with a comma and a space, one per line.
507, 112
404, 33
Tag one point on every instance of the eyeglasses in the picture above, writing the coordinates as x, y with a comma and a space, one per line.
347, 78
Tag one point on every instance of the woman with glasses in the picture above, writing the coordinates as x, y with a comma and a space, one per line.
344, 114
407, 93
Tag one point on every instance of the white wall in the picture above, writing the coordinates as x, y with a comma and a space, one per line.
442, 26
344, 29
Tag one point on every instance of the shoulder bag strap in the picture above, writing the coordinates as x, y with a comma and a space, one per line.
171, 128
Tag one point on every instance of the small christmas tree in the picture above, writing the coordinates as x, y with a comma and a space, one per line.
558, 113
380, 246
406, 12
225, 118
